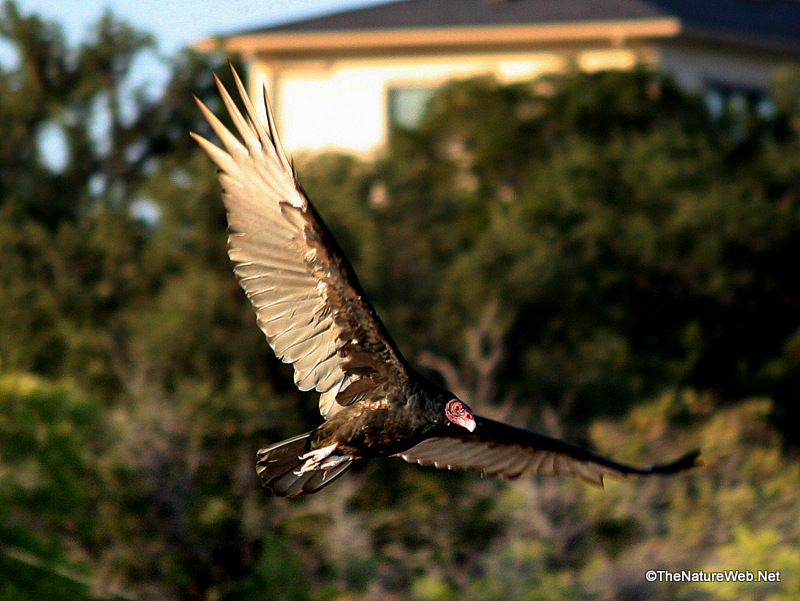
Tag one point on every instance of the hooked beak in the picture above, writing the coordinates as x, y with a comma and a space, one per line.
465, 421
469, 423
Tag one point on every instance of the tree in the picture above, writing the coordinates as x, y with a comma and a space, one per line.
637, 243
557, 250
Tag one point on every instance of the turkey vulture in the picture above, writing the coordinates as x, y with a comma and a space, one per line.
316, 316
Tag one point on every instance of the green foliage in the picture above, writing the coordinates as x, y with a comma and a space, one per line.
50, 484
20, 581
633, 242
556, 251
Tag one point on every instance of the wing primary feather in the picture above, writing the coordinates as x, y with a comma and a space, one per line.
219, 156
244, 128
276, 141
231, 142
255, 122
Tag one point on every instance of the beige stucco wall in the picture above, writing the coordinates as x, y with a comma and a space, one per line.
342, 103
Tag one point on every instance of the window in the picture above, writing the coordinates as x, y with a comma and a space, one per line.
737, 100
407, 105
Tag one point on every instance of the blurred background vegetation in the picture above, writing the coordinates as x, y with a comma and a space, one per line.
594, 256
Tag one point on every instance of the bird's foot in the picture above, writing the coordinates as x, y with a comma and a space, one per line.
320, 459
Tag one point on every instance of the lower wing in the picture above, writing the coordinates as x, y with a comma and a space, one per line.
497, 449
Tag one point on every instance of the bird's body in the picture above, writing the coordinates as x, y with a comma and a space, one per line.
316, 316
382, 427
364, 430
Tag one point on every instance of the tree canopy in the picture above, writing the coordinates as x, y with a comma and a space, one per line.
597, 256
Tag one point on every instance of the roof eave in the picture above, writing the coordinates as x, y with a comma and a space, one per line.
743, 40
286, 43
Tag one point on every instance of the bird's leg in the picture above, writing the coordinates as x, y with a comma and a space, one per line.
315, 460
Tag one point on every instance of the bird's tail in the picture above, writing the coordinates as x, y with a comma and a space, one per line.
279, 468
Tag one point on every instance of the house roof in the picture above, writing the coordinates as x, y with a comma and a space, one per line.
768, 18
455, 13
768, 24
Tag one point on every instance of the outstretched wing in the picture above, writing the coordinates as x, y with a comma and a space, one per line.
497, 449
305, 294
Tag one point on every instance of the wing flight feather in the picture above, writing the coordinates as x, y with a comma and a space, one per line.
307, 299
497, 449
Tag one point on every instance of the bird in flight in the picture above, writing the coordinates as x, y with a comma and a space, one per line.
315, 315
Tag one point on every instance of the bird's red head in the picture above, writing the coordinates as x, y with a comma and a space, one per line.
457, 412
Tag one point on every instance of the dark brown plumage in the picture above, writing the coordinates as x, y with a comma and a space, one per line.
310, 306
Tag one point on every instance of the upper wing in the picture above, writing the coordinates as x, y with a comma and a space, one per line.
497, 449
305, 294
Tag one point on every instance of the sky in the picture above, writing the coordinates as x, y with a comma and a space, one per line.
178, 23
174, 24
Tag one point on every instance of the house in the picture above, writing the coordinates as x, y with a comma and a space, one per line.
343, 80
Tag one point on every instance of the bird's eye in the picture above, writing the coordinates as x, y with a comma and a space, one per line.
456, 408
